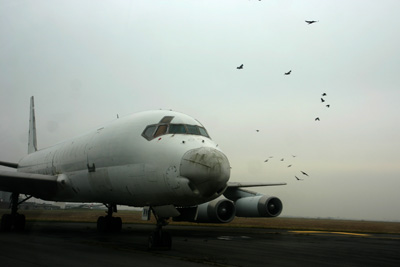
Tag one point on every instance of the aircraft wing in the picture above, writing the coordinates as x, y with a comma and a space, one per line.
9, 164
237, 185
27, 183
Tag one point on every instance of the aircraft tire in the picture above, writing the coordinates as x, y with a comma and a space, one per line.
154, 240
6, 223
102, 224
166, 240
19, 222
160, 240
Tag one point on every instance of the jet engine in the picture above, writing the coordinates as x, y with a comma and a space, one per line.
216, 211
258, 206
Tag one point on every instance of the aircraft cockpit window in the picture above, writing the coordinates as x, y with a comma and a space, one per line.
203, 132
148, 132
166, 119
193, 129
162, 128
177, 129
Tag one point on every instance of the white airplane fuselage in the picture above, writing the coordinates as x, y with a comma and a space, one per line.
117, 164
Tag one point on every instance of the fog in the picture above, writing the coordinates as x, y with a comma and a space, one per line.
87, 61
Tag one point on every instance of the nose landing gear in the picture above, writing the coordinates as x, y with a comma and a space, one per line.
160, 239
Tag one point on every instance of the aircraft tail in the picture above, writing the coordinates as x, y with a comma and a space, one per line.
32, 143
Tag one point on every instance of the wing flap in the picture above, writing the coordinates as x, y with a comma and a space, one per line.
27, 183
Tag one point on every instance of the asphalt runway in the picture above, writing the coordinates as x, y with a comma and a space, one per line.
79, 244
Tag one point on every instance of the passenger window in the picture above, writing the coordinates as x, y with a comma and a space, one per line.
177, 128
148, 132
162, 129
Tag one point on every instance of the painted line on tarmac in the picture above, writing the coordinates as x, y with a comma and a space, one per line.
324, 232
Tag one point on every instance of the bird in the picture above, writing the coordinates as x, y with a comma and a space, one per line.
322, 100
289, 166
282, 159
304, 173
324, 94
298, 179
257, 131
311, 21
317, 119
240, 67
266, 160
288, 73
293, 156
328, 106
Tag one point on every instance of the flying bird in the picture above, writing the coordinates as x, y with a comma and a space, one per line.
322, 100
288, 73
324, 94
311, 21
289, 166
240, 67
317, 119
298, 179
304, 173
282, 159
266, 160
328, 106
257, 131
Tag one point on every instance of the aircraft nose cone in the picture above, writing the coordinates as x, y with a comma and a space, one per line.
207, 169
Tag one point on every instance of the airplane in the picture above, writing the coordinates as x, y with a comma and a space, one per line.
161, 160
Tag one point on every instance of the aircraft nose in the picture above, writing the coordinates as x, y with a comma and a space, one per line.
207, 169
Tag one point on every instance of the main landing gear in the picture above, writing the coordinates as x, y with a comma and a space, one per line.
160, 239
108, 223
14, 221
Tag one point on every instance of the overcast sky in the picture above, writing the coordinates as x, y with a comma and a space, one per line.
87, 61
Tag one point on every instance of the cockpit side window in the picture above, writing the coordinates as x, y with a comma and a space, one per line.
203, 132
148, 132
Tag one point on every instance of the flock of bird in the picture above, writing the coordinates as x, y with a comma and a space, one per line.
309, 22
323, 101
290, 165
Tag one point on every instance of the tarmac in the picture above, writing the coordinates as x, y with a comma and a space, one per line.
79, 244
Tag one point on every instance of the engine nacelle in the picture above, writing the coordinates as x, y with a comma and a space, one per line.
258, 206
216, 211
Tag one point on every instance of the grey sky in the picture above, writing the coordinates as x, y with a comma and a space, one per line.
86, 61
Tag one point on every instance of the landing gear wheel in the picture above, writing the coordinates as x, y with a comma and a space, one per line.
101, 224
160, 240
116, 224
107, 224
6, 222
10, 221
19, 222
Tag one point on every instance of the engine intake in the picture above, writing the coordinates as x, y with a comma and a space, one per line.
216, 211
258, 206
